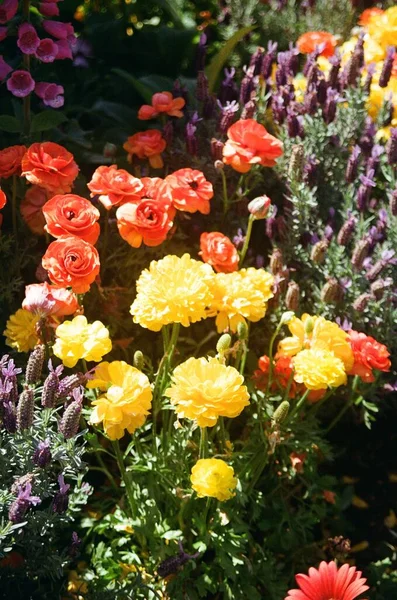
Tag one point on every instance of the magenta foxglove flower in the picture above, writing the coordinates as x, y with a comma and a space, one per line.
8, 10
28, 40
47, 50
60, 31
50, 93
5, 69
64, 50
3, 33
49, 9
20, 84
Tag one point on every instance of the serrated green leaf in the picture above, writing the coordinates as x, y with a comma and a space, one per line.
219, 60
47, 119
10, 124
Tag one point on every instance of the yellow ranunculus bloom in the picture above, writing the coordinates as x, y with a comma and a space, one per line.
318, 369
20, 331
172, 290
383, 28
78, 339
204, 389
127, 401
212, 477
239, 296
321, 335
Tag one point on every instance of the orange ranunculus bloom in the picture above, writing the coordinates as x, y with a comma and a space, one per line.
162, 103
281, 375
147, 222
70, 214
368, 355
50, 166
153, 187
114, 186
3, 199
71, 262
248, 144
190, 191
218, 251
368, 14
10, 160
45, 300
31, 209
147, 144
308, 42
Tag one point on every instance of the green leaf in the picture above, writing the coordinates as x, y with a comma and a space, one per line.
10, 124
215, 67
48, 119
148, 85
172, 534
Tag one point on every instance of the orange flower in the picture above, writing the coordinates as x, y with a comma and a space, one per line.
31, 209
368, 355
249, 143
162, 103
308, 42
153, 187
10, 160
329, 496
368, 14
281, 375
114, 186
3, 199
72, 215
219, 252
50, 166
44, 300
190, 191
72, 262
148, 222
147, 144
298, 461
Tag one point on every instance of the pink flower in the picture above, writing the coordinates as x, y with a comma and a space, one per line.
20, 84
3, 33
28, 40
5, 69
8, 10
47, 51
64, 50
50, 93
60, 31
329, 583
49, 9
44, 300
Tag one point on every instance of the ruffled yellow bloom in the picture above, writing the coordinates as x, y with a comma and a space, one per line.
300, 85
239, 296
318, 334
212, 477
378, 95
20, 331
318, 369
78, 339
172, 290
127, 401
383, 28
204, 389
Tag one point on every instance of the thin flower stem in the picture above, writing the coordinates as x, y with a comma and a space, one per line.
203, 442
125, 477
225, 194
247, 239
297, 407
14, 209
222, 433
271, 345
348, 404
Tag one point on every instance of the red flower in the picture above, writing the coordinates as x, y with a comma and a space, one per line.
72, 215
147, 144
298, 461
3, 199
368, 355
10, 160
31, 209
308, 42
219, 252
368, 14
190, 191
114, 186
148, 222
249, 143
329, 496
162, 103
281, 375
50, 166
329, 583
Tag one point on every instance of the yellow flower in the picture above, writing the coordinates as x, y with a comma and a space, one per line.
319, 334
214, 478
78, 339
378, 95
76, 585
172, 290
300, 85
318, 369
240, 295
383, 28
20, 331
127, 401
101, 378
204, 389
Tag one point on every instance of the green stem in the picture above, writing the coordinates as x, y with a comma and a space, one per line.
271, 345
225, 194
222, 433
317, 405
125, 477
203, 442
14, 209
348, 404
247, 240
297, 407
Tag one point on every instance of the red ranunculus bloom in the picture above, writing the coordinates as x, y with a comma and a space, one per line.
50, 166
115, 186
3, 199
32, 209
249, 144
72, 215
147, 144
10, 160
308, 42
368, 355
218, 251
148, 222
190, 191
162, 103
329, 583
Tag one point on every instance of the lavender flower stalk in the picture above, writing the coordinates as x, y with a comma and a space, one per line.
69, 424
23, 502
387, 68
35, 365
61, 499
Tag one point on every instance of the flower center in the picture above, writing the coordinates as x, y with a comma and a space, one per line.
193, 185
70, 214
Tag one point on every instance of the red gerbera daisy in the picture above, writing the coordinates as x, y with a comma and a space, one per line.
329, 583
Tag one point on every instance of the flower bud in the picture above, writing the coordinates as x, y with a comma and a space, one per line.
25, 409
216, 149
292, 296
224, 343
50, 389
286, 317
219, 165
376, 270
360, 253
361, 302
309, 326
295, 167
259, 207
69, 424
109, 150
276, 261
242, 331
346, 232
331, 292
281, 412
319, 251
387, 68
69, 383
35, 365
138, 360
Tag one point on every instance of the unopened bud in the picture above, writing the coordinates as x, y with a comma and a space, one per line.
295, 168
281, 412
286, 317
138, 360
319, 252
292, 296
331, 292
242, 330
360, 253
309, 326
219, 165
276, 261
378, 288
217, 149
361, 302
35, 365
224, 343
259, 207
109, 150
25, 409
69, 424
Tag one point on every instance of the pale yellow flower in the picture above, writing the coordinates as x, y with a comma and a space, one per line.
20, 331
77, 339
